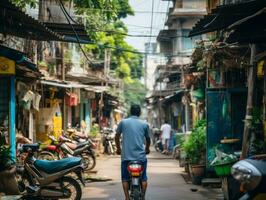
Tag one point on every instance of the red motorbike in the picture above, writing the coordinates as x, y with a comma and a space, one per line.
65, 147
135, 170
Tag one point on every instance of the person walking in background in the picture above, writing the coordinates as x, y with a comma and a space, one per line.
166, 134
135, 145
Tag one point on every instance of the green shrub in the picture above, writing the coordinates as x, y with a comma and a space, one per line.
195, 144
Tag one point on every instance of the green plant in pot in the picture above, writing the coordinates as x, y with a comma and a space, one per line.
195, 148
8, 182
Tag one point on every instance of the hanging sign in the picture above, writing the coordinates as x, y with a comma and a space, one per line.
7, 66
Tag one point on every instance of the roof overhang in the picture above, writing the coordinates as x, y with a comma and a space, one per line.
68, 34
242, 32
15, 22
166, 35
223, 16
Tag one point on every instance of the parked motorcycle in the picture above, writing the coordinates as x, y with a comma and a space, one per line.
65, 147
109, 141
42, 179
135, 170
252, 176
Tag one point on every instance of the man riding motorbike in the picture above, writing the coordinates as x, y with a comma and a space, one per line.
135, 134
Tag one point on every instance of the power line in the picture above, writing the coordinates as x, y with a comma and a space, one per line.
68, 17
143, 27
76, 35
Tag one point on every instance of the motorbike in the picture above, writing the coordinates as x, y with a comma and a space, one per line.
135, 170
65, 147
42, 179
109, 141
251, 174
158, 145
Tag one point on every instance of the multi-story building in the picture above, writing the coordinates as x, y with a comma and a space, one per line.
177, 47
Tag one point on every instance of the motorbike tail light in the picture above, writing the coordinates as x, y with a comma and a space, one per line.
135, 168
51, 147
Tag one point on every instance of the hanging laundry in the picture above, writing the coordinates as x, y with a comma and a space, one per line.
36, 101
27, 99
71, 99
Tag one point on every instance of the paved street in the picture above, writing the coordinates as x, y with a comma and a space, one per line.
165, 181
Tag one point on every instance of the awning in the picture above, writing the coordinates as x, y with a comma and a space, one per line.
55, 83
63, 84
68, 34
224, 16
166, 35
85, 78
15, 22
97, 89
243, 33
177, 93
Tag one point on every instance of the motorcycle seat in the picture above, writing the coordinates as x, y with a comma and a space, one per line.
78, 151
82, 144
51, 167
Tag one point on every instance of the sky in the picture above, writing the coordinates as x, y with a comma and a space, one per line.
140, 23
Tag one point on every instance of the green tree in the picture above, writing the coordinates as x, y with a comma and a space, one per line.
23, 3
134, 93
106, 30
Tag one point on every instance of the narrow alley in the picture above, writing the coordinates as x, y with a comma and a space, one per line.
165, 181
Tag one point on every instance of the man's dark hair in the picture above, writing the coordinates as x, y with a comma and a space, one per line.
135, 110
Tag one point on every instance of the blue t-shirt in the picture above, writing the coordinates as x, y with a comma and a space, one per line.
134, 131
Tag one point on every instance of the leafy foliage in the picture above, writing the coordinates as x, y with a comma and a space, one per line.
22, 3
195, 145
103, 23
134, 93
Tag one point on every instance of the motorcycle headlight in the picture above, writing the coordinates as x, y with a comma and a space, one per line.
247, 174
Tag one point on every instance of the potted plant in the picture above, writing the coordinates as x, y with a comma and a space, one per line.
8, 182
195, 149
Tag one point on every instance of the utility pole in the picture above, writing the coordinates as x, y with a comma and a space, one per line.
107, 58
251, 85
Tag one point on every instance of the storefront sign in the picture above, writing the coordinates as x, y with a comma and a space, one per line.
7, 66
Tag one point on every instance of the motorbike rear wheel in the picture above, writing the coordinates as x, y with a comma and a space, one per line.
71, 185
89, 161
136, 194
